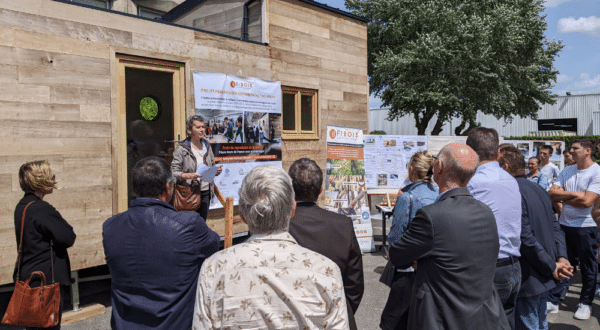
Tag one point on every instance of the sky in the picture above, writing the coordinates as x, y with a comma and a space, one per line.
577, 24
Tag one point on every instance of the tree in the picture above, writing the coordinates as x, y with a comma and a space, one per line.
451, 58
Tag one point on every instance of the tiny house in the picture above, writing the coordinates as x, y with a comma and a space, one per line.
72, 76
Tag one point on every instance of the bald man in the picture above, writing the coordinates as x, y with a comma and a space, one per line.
455, 243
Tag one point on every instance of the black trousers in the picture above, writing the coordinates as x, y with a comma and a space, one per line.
395, 312
582, 243
204, 204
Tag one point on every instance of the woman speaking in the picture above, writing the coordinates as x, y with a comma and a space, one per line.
193, 151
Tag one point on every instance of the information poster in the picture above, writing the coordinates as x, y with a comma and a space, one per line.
345, 188
531, 148
243, 125
387, 158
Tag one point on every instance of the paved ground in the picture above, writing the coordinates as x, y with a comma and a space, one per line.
368, 314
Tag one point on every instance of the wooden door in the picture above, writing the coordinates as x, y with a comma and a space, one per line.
150, 116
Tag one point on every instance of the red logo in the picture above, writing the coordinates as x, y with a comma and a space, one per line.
232, 84
332, 134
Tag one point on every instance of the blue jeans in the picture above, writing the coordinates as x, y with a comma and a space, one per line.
508, 282
531, 313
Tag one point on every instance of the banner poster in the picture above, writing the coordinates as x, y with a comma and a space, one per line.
345, 188
243, 125
531, 148
387, 158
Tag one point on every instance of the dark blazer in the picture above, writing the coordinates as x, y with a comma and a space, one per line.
43, 224
455, 243
331, 235
542, 240
154, 255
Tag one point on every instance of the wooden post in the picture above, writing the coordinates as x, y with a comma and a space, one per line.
229, 222
228, 206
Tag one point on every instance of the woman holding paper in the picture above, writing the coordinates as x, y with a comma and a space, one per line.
192, 153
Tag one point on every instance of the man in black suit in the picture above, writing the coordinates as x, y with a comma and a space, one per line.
325, 232
543, 248
455, 243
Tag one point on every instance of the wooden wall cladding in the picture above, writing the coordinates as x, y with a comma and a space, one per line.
57, 97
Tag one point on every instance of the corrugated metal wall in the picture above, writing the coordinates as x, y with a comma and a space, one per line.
583, 107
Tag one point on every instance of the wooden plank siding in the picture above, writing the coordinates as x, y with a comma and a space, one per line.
58, 96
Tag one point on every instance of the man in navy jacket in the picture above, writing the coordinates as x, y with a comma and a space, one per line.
154, 254
543, 248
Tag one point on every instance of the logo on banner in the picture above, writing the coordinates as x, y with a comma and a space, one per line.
237, 84
332, 134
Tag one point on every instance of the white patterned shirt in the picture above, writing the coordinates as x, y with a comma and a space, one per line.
270, 282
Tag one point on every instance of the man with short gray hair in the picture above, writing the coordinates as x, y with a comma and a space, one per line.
269, 282
154, 254
455, 244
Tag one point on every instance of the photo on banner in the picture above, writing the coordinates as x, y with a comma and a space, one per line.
532, 149
243, 120
345, 187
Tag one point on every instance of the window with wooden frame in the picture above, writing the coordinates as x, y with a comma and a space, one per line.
299, 115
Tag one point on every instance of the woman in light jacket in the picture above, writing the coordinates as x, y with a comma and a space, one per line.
420, 192
188, 154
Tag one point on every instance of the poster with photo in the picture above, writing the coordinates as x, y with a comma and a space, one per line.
345, 188
244, 116
387, 158
532, 149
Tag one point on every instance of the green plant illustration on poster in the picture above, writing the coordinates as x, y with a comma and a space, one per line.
346, 167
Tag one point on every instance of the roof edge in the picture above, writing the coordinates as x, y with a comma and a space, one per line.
187, 5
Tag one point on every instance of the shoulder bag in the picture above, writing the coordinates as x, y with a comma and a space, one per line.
187, 198
33, 307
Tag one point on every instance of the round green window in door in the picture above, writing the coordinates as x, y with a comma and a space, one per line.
149, 108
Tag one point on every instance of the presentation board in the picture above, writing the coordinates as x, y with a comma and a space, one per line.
243, 125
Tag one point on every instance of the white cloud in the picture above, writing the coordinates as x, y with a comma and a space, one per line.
563, 78
585, 83
554, 3
589, 25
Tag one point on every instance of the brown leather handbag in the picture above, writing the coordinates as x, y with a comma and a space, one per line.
33, 307
187, 198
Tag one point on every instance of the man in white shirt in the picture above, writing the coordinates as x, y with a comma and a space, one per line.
577, 187
269, 282
546, 168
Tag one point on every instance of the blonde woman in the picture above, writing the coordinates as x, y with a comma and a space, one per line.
420, 192
43, 226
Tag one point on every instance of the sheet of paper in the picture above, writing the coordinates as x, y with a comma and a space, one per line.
208, 173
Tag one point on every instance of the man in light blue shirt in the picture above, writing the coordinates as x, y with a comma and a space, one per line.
499, 190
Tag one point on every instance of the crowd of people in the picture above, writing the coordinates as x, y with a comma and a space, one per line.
474, 243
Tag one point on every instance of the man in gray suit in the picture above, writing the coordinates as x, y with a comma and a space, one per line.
455, 243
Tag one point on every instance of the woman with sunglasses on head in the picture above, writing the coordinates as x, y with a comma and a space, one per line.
420, 192
46, 234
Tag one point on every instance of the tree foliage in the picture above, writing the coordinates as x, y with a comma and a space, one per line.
450, 58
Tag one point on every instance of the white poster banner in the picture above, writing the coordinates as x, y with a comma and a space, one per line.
243, 125
345, 188
387, 158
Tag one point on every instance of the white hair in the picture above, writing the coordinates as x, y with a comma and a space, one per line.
267, 199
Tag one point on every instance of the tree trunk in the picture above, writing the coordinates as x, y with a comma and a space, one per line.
439, 125
423, 122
